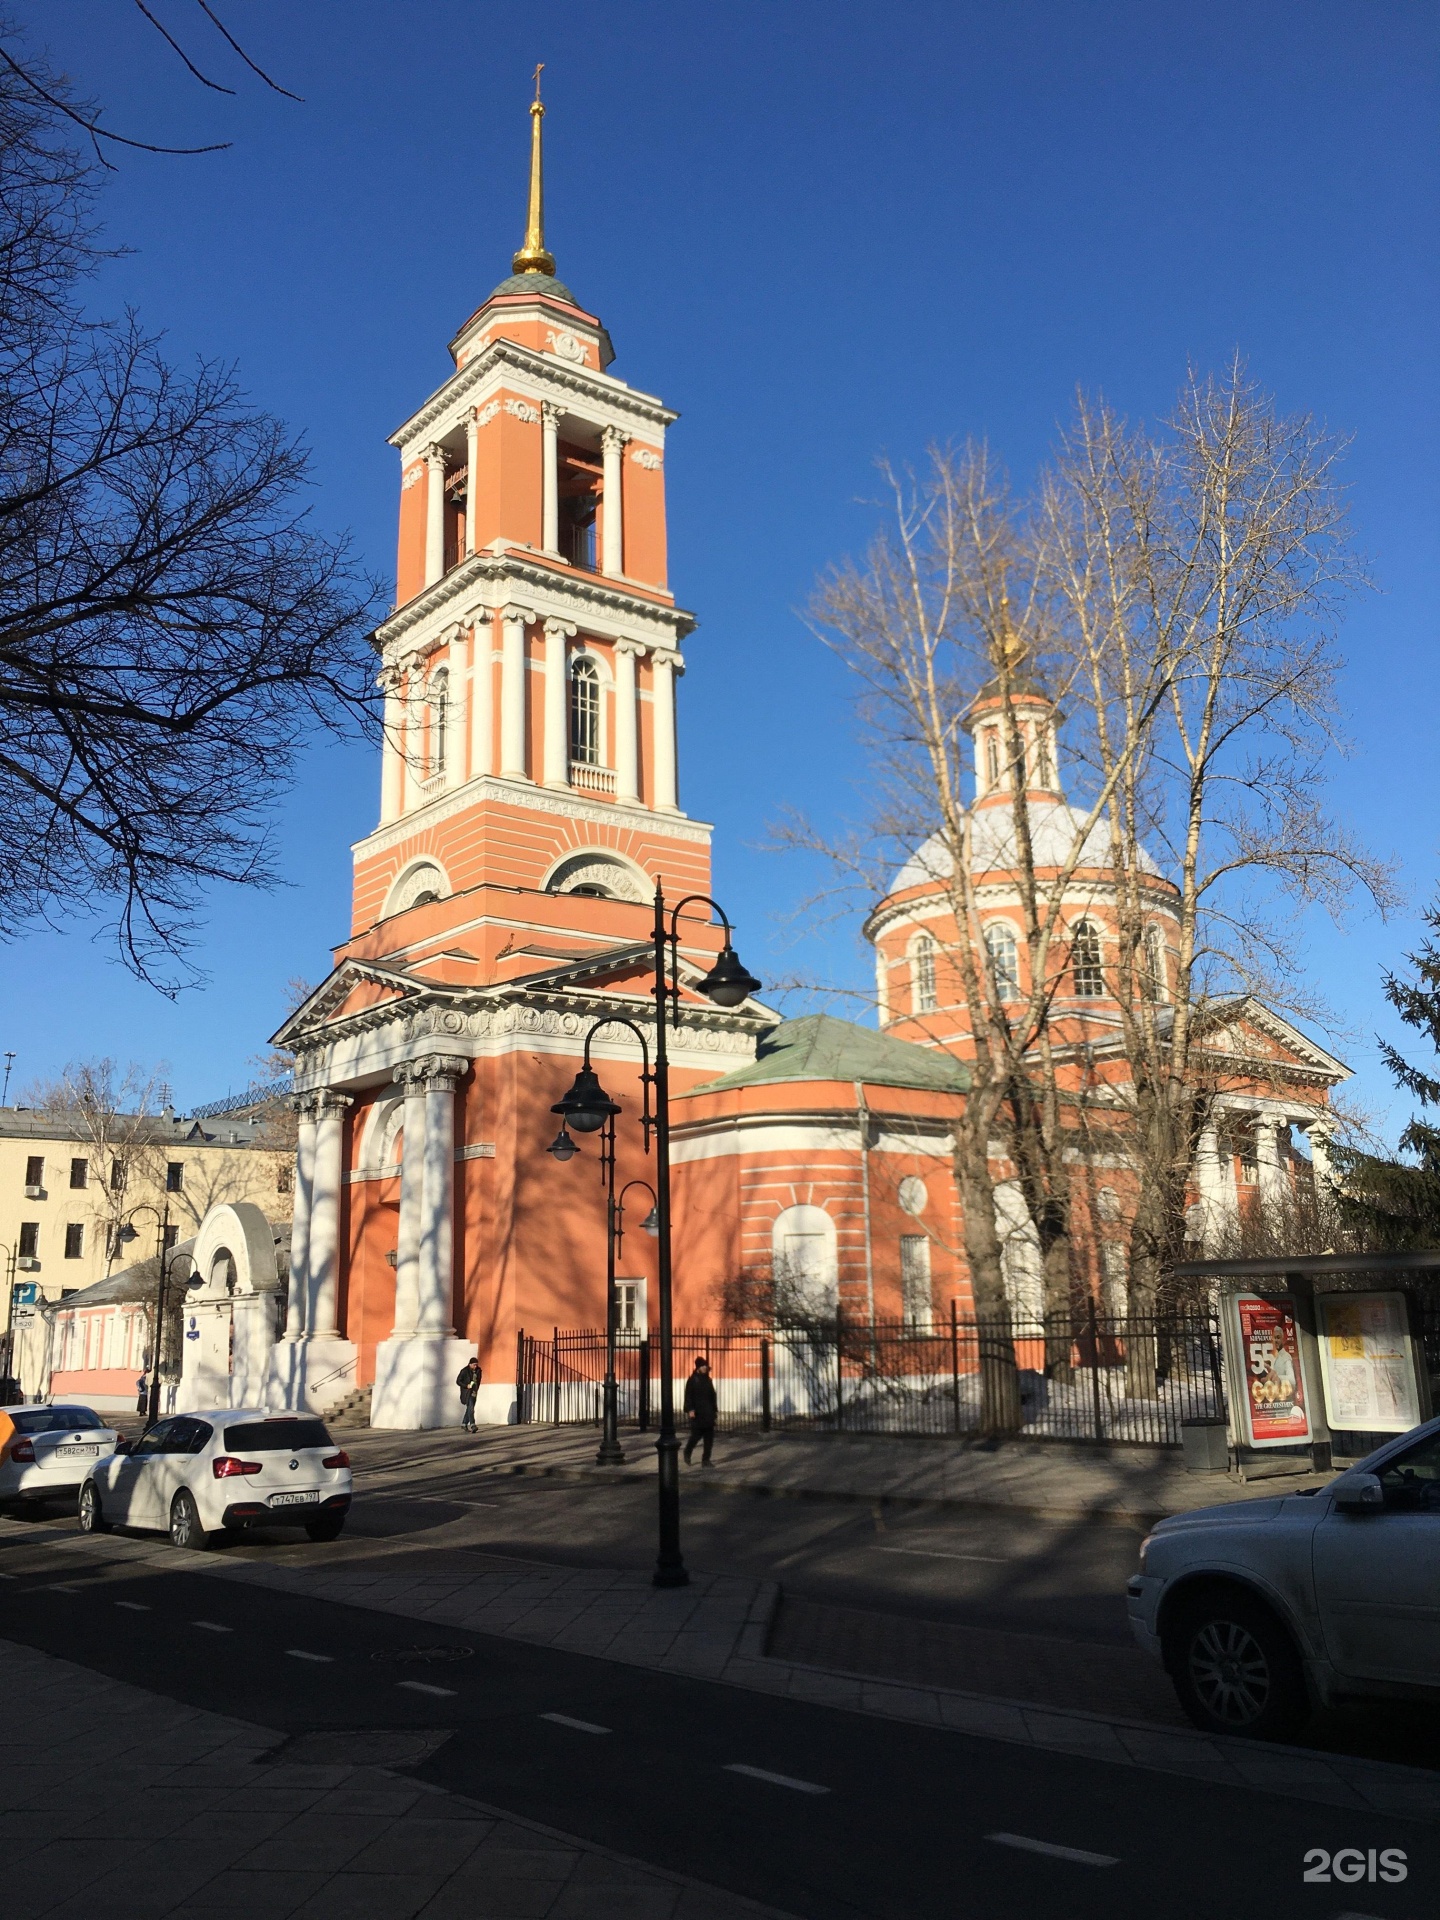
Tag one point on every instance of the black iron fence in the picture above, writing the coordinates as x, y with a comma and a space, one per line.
1081, 1376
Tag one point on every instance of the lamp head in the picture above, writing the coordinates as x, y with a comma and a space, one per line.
562, 1147
127, 1233
728, 982
651, 1223
586, 1106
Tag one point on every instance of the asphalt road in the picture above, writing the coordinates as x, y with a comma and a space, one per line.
824, 1814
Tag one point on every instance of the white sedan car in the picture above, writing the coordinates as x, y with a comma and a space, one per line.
1264, 1608
202, 1475
46, 1452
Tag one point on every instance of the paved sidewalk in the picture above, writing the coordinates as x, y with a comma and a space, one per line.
190, 1814
1060, 1480
716, 1629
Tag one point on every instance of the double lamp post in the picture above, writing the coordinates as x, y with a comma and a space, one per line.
587, 1108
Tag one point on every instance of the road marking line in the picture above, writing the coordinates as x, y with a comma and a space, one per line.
55, 1586
211, 1626
134, 1606
933, 1553
776, 1779
299, 1653
580, 1726
7, 1576
1077, 1854
421, 1686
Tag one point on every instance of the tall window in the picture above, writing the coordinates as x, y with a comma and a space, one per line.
35, 1170
992, 759
922, 974
117, 1175
75, 1241
1085, 960
29, 1240
79, 1173
585, 713
1044, 759
1004, 959
1019, 762
1154, 975
915, 1281
439, 719
174, 1176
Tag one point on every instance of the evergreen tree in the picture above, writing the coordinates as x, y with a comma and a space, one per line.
1393, 1205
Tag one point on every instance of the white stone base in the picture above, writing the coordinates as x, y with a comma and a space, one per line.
415, 1380
313, 1374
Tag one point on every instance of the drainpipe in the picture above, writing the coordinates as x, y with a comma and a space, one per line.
864, 1113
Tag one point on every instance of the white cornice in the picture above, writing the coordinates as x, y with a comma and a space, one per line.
552, 378
488, 582
488, 788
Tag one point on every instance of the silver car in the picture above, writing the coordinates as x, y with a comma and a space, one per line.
1264, 1609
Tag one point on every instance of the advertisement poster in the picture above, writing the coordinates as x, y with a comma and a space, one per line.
1269, 1357
1367, 1362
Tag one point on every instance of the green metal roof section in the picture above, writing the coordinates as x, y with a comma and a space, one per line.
820, 1047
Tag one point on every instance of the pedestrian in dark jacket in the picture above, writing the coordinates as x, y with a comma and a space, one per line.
468, 1381
701, 1407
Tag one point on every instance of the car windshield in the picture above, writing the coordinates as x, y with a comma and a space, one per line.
57, 1420
276, 1436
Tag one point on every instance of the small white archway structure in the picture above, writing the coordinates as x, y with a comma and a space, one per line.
234, 1311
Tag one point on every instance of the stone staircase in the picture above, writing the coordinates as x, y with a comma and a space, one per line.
351, 1412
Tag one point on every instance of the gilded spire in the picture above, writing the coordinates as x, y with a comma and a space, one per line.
532, 257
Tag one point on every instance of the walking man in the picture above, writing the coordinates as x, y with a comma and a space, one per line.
701, 1407
468, 1381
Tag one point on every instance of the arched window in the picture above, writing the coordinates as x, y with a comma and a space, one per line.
1004, 959
1044, 758
584, 713
805, 1255
1085, 960
992, 759
1019, 762
439, 718
922, 974
1154, 974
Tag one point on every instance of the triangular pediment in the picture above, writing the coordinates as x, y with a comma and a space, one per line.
1244, 1032
356, 986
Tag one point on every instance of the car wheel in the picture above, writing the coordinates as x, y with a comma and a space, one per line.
185, 1527
326, 1526
1235, 1668
92, 1519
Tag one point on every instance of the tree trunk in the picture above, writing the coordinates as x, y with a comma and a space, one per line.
999, 1381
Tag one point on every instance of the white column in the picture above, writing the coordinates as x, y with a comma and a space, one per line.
323, 1264
627, 742
557, 705
472, 460
1267, 1160
612, 559
459, 687
549, 476
434, 514
392, 750
442, 1074
662, 683
1210, 1184
412, 1177
481, 703
300, 1219
1320, 1133
512, 699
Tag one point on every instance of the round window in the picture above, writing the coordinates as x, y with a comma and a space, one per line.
913, 1194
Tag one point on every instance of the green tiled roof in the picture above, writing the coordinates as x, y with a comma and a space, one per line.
819, 1047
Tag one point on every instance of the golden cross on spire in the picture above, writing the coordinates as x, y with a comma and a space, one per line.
533, 257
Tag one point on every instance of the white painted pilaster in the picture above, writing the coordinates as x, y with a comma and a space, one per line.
612, 558
627, 739
434, 514
549, 476
472, 454
323, 1263
412, 1178
662, 666
512, 698
295, 1300
557, 704
442, 1074
481, 698
392, 752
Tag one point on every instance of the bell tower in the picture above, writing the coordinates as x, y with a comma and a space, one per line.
531, 661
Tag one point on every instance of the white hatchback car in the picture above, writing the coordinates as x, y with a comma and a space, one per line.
203, 1475
46, 1452
1263, 1608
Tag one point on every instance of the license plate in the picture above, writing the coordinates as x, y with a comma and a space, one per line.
293, 1499
77, 1453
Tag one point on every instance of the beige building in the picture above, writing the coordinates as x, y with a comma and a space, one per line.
72, 1181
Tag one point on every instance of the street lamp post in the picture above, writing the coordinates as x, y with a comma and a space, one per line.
8, 1368
587, 1108
127, 1234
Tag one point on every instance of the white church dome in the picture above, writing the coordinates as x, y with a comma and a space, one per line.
1053, 827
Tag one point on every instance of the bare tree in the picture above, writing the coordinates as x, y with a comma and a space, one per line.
172, 627
1216, 551
111, 1111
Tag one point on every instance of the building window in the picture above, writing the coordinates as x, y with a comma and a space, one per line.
579, 502
171, 1235
79, 1173
29, 1248
1085, 960
117, 1175
1018, 761
585, 714
922, 974
804, 1250
1248, 1167
1044, 759
75, 1241
992, 759
439, 719
1004, 954
630, 1306
174, 1176
915, 1281
35, 1170
1154, 973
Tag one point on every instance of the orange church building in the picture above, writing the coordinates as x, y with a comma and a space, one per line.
529, 803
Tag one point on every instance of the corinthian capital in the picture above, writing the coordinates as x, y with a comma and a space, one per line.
331, 1104
440, 1072
614, 439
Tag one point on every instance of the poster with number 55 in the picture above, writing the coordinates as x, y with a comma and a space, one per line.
1265, 1347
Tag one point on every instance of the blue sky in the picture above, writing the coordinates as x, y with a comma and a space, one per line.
821, 231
